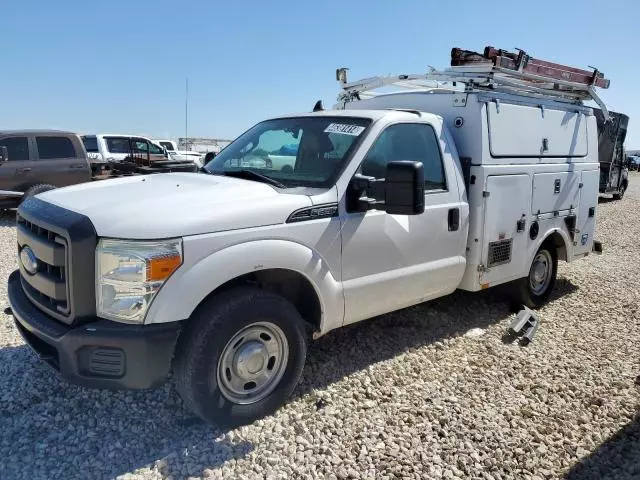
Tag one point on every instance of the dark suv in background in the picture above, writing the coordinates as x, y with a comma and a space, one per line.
33, 161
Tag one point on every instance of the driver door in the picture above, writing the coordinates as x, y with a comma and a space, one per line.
393, 261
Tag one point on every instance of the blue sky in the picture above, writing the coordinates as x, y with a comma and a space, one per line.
121, 65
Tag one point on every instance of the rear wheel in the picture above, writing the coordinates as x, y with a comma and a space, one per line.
240, 356
620, 194
534, 290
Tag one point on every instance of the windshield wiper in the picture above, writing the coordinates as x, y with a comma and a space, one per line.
252, 175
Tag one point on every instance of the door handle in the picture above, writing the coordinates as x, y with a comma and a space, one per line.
76, 166
20, 171
454, 219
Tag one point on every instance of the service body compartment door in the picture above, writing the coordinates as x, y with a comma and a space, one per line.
555, 192
529, 131
505, 227
586, 221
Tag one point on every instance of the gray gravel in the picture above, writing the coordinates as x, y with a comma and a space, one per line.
429, 392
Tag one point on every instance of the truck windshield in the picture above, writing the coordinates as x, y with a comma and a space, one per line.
302, 151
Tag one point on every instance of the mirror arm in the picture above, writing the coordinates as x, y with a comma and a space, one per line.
360, 182
362, 185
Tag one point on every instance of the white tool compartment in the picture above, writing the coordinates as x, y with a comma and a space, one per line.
586, 221
555, 192
536, 131
503, 242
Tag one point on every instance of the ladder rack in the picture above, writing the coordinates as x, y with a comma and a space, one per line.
496, 70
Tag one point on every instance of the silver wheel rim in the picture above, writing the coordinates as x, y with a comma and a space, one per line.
253, 362
541, 272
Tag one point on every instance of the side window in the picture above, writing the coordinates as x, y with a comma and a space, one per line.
17, 147
117, 144
140, 146
155, 149
407, 141
50, 148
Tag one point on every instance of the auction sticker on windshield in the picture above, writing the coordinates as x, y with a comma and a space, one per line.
353, 130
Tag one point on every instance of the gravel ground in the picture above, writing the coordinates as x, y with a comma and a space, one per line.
429, 392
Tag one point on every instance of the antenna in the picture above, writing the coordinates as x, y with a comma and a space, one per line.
186, 115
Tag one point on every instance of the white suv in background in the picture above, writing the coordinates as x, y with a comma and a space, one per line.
104, 148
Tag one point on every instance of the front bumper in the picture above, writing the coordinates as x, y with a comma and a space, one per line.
101, 353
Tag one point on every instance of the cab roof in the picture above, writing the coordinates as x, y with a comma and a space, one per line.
396, 114
36, 132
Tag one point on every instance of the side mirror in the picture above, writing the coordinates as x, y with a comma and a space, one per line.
404, 188
4, 154
401, 192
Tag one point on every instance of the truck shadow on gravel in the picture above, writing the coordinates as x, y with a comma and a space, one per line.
353, 348
617, 458
50, 429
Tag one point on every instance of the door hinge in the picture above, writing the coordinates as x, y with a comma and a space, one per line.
485, 194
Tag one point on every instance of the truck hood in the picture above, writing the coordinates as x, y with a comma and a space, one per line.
176, 204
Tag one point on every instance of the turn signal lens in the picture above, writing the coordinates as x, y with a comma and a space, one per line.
160, 268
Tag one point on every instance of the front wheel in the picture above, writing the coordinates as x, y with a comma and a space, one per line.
240, 356
534, 290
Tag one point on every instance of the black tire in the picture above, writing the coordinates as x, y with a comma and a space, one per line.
36, 189
522, 292
620, 194
209, 332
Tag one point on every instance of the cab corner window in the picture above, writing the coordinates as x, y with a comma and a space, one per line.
90, 143
50, 148
407, 141
17, 148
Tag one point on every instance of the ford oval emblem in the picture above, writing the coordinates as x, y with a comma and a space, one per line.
29, 260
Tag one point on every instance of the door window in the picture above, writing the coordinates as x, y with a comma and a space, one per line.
117, 144
155, 149
50, 148
17, 147
140, 146
407, 141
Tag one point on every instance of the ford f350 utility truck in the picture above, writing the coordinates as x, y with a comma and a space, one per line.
392, 200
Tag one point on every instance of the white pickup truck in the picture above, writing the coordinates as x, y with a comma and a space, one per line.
391, 201
172, 150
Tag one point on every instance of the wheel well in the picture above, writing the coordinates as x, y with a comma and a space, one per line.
556, 241
289, 284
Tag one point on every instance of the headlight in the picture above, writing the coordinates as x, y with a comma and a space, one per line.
129, 273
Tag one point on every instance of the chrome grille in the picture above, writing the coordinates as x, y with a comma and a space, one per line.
48, 288
499, 252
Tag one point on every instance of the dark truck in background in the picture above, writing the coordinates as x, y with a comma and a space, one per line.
34, 161
614, 172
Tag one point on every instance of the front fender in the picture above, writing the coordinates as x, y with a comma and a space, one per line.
191, 284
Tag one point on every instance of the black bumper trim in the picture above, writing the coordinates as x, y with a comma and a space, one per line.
99, 354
